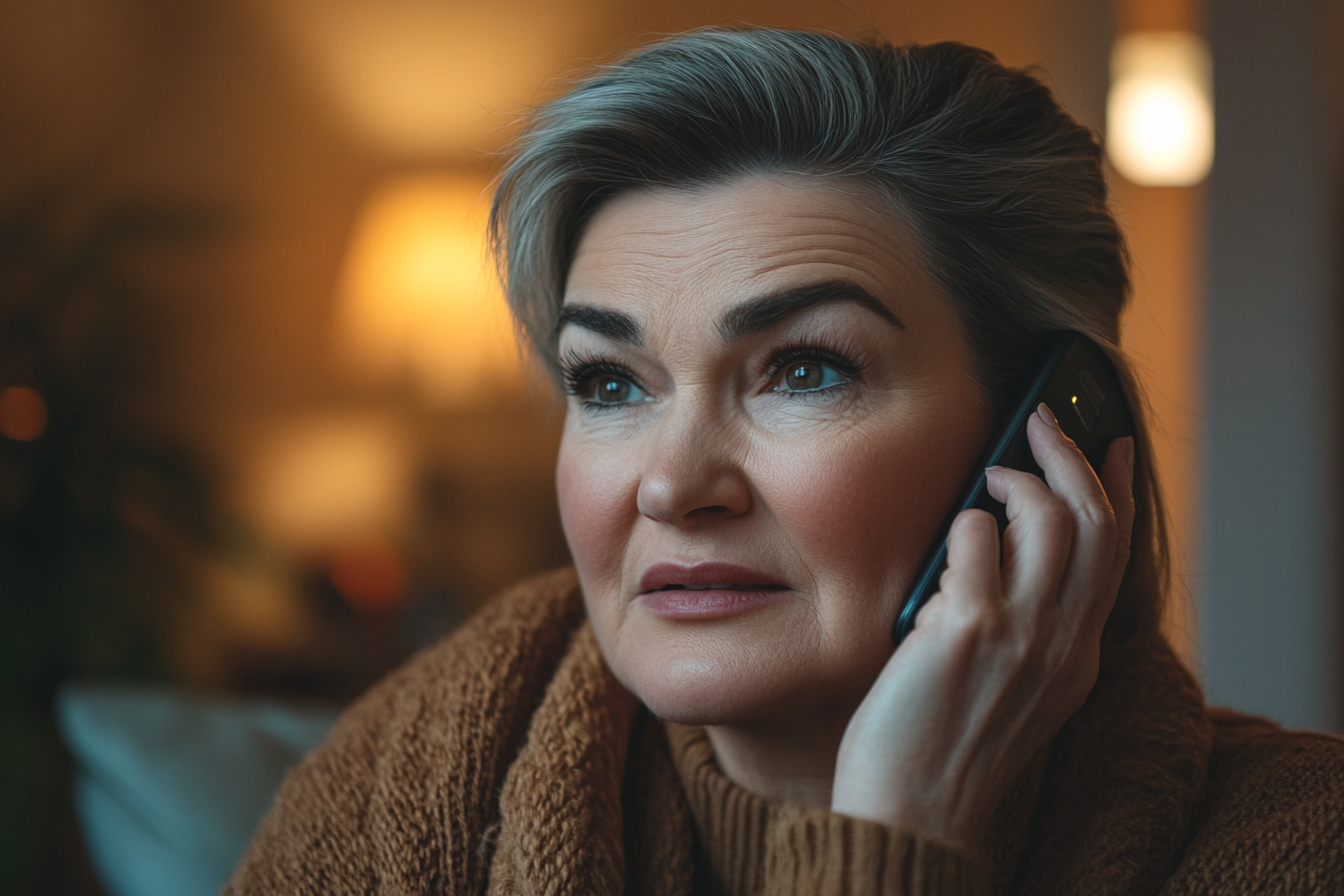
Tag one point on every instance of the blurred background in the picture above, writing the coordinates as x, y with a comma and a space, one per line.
263, 427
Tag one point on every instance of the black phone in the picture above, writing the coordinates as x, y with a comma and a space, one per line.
1078, 382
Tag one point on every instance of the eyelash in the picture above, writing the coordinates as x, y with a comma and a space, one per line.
579, 370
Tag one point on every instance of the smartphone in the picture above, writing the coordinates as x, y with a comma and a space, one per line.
1078, 382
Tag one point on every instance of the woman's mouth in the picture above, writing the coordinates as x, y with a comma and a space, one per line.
706, 590
718, 587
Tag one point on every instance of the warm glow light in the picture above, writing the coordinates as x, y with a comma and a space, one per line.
1159, 114
419, 298
23, 413
421, 78
312, 482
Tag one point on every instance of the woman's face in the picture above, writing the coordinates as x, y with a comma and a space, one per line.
772, 409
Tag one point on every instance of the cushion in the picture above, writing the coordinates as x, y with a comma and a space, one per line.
170, 785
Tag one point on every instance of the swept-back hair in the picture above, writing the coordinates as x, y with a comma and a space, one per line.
1003, 188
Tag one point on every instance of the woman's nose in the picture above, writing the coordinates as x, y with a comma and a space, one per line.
692, 472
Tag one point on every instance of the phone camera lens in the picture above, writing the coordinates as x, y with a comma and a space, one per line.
1088, 400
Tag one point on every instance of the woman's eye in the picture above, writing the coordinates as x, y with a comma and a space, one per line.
609, 389
810, 376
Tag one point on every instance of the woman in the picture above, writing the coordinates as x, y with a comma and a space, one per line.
788, 282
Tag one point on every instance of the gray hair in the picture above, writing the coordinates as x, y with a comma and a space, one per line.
1005, 191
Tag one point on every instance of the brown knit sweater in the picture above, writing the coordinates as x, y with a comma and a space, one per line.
509, 760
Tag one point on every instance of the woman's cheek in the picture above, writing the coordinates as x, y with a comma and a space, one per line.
862, 511
596, 492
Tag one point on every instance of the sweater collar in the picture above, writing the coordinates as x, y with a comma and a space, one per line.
1110, 800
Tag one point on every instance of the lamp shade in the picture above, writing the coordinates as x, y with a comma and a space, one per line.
1159, 113
418, 298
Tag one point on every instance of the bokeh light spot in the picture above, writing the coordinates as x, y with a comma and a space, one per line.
369, 574
1159, 113
23, 413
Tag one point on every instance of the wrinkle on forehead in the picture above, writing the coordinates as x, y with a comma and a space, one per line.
651, 252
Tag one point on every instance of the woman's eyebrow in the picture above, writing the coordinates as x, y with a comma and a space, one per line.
761, 313
615, 325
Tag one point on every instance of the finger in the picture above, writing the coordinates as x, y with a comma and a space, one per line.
972, 574
1072, 478
1039, 537
1066, 470
1090, 574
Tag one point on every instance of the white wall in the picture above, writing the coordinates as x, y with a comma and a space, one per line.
1269, 621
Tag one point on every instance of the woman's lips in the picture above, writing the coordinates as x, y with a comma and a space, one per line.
706, 590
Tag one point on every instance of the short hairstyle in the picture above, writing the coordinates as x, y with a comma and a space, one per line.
1004, 189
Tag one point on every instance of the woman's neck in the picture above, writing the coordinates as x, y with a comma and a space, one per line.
784, 760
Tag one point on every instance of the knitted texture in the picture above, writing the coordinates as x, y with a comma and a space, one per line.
1274, 805
812, 851
730, 822
561, 829
1126, 773
401, 797
755, 846
508, 760
659, 838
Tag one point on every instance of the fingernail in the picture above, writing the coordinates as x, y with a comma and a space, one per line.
1047, 415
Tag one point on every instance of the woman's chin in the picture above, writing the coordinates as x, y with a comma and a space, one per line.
700, 709
696, 706
770, 663
703, 691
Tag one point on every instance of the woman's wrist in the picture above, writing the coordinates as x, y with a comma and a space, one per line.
953, 807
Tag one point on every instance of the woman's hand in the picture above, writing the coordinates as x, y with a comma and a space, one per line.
1002, 655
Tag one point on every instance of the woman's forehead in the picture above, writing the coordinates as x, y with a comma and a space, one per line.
662, 220
712, 248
